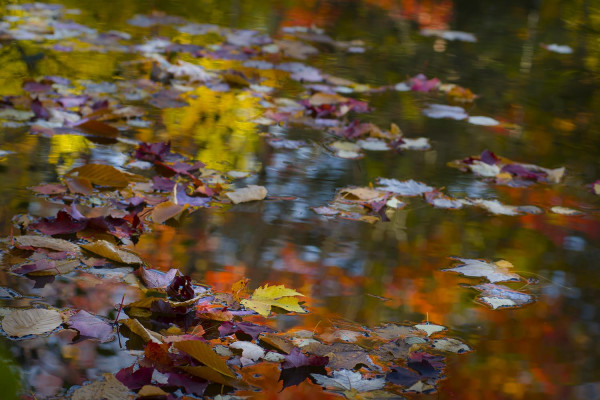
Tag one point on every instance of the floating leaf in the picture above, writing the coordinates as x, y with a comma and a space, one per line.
203, 353
33, 321
349, 380
404, 188
91, 326
250, 350
266, 297
430, 328
136, 327
166, 210
30, 241
105, 175
112, 252
108, 389
250, 193
498, 296
565, 210
450, 345
493, 272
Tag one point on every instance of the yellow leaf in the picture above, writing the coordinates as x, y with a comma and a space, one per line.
203, 353
105, 175
136, 327
112, 252
239, 288
266, 297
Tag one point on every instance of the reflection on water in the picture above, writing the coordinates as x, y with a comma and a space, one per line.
351, 270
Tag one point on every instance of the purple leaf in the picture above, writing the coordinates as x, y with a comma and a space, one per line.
489, 157
298, 359
184, 198
62, 224
135, 380
91, 326
403, 377
522, 172
188, 384
157, 279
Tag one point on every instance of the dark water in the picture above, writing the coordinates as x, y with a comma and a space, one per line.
547, 350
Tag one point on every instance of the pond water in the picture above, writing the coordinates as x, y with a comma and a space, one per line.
354, 271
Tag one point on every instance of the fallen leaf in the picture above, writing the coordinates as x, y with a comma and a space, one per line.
249, 193
108, 389
349, 380
450, 345
250, 350
31, 241
404, 188
151, 391
32, 321
565, 210
167, 210
112, 252
499, 296
79, 185
105, 175
267, 296
203, 353
136, 327
493, 272
430, 328
91, 326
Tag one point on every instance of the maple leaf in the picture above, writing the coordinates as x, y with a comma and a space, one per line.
348, 380
267, 296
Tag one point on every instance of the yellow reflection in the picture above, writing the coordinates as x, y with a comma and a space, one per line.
220, 123
65, 149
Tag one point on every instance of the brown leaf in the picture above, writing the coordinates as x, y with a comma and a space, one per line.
105, 175
97, 128
112, 252
79, 185
167, 210
203, 353
46, 243
277, 342
33, 321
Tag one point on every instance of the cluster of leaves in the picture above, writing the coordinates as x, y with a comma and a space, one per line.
373, 204
491, 294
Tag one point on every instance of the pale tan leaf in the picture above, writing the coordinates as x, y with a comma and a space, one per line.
46, 243
320, 99
33, 321
112, 252
108, 389
250, 193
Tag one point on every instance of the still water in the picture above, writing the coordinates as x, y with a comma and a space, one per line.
356, 271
